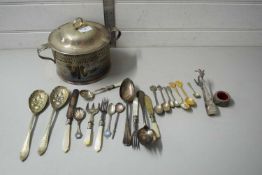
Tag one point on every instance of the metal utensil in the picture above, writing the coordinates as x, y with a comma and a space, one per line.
89, 133
135, 113
38, 100
79, 116
177, 104
111, 110
190, 101
89, 95
146, 136
170, 102
150, 111
158, 108
165, 104
99, 137
70, 117
58, 99
211, 108
195, 94
119, 109
127, 93
183, 104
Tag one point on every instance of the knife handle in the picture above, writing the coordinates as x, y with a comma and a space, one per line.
154, 126
72, 105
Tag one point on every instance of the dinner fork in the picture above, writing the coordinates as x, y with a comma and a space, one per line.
99, 137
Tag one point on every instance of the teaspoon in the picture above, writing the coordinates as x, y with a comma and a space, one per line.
195, 94
158, 108
111, 111
183, 105
165, 104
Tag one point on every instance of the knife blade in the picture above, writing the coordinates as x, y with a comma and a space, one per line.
150, 111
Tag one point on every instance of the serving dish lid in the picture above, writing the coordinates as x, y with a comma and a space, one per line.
79, 37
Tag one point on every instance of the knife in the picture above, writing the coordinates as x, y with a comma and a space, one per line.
150, 111
69, 116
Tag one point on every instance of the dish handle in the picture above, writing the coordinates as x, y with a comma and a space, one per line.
42, 48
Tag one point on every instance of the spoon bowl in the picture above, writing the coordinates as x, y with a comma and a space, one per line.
120, 107
38, 100
87, 95
190, 101
159, 109
111, 110
59, 97
127, 90
146, 136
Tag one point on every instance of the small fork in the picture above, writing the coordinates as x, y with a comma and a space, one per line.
99, 137
89, 134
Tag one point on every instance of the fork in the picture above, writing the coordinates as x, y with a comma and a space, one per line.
135, 141
89, 134
99, 137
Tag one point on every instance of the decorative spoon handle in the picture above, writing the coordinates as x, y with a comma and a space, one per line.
26, 146
45, 139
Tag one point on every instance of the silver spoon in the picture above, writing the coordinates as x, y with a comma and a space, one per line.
119, 109
158, 108
127, 93
146, 135
58, 99
89, 95
165, 104
79, 116
176, 103
38, 100
111, 110
170, 102
195, 94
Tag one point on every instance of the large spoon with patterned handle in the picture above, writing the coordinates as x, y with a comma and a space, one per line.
38, 100
58, 99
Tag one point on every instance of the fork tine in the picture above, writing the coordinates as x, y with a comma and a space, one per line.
93, 106
87, 106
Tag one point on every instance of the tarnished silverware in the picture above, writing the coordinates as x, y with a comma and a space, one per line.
89, 133
127, 93
119, 109
146, 135
165, 104
79, 116
99, 137
150, 111
195, 94
111, 110
58, 99
176, 103
211, 108
170, 102
135, 113
183, 104
158, 108
89, 95
190, 101
70, 116
38, 100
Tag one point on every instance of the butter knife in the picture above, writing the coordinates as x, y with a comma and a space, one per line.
150, 111
69, 116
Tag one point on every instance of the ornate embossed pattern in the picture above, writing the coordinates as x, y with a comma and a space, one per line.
83, 68
38, 101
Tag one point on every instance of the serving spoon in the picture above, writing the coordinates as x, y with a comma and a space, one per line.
127, 93
38, 100
146, 135
58, 99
